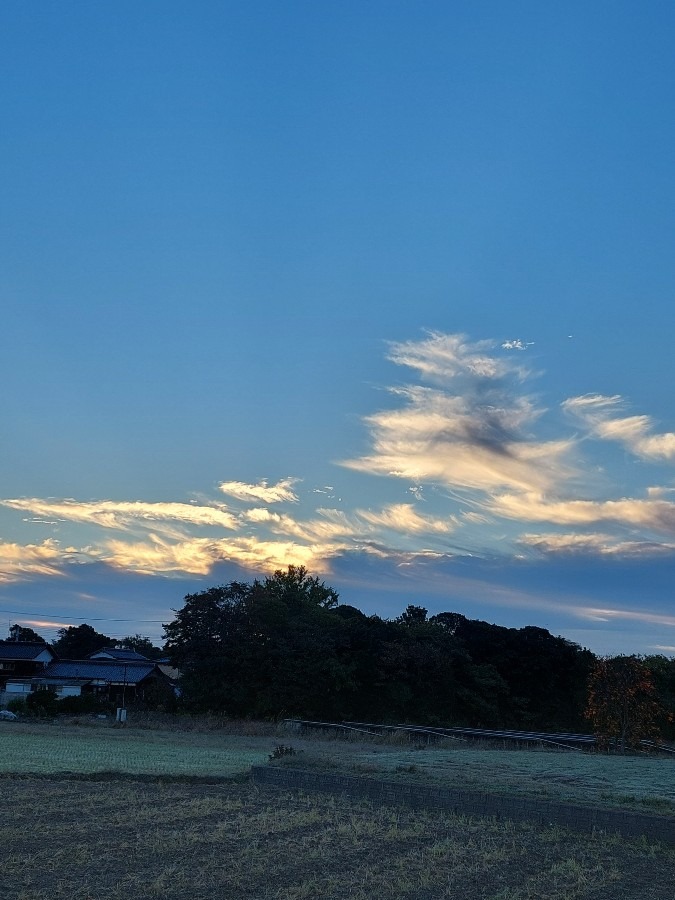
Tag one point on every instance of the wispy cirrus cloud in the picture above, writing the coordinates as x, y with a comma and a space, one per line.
331, 525
325, 526
447, 356
26, 560
122, 514
601, 416
404, 518
472, 431
607, 614
199, 555
653, 514
596, 544
262, 492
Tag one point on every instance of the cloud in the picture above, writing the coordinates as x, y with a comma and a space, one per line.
44, 623
120, 515
199, 555
593, 544
446, 356
331, 525
17, 560
657, 515
337, 530
607, 615
474, 442
598, 413
480, 455
261, 492
404, 518
471, 431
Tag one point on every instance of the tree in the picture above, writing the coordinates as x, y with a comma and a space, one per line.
547, 676
211, 642
21, 633
413, 615
78, 642
663, 673
622, 703
262, 649
142, 645
297, 586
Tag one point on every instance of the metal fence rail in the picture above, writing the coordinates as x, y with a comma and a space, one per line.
564, 740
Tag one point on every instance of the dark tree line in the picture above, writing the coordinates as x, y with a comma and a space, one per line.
283, 646
79, 641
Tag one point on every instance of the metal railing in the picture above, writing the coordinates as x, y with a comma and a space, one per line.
562, 740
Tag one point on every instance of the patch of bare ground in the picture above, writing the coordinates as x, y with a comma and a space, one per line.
123, 840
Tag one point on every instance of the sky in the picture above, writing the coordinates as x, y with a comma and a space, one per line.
384, 289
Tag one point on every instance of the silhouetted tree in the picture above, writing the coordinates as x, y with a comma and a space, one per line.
142, 645
413, 615
77, 642
267, 648
22, 633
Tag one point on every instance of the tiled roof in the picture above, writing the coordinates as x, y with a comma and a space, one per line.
118, 653
101, 669
22, 649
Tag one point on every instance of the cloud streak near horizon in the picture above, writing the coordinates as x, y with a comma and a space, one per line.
461, 440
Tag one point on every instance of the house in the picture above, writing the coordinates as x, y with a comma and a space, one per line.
113, 674
118, 653
118, 681
19, 662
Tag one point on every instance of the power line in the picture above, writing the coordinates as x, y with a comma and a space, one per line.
18, 612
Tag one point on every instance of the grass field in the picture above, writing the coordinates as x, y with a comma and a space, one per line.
174, 837
48, 749
126, 840
90, 747
588, 778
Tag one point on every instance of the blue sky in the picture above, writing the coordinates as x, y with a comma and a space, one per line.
384, 289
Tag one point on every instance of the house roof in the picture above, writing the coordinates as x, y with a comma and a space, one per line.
100, 669
23, 649
117, 653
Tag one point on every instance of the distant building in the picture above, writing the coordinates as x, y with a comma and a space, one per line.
19, 662
116, 675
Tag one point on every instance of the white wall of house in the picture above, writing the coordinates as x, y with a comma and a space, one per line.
16, 689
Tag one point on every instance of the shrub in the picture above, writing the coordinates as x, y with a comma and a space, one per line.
85, 703
42, 704
280, 751
17, 705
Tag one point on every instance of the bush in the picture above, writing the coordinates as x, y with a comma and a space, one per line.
17, 705
82, 705
42, 704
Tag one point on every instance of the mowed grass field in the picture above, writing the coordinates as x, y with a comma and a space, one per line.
94, 811
636, 782
88, 746
27, 748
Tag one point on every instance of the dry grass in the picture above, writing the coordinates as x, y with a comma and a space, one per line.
125, 840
